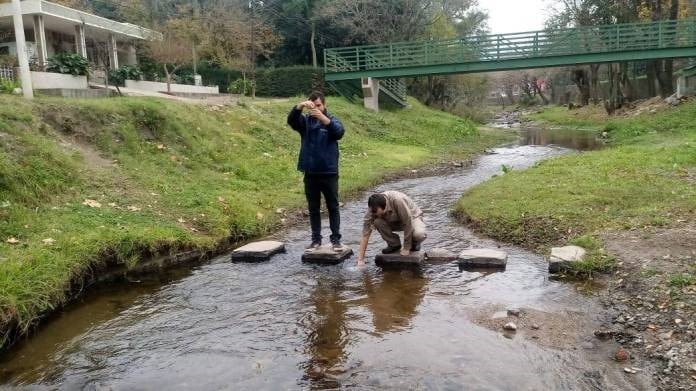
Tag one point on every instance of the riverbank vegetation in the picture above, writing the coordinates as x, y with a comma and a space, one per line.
645, 177
83, 183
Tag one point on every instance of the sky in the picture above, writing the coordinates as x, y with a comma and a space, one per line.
510, 16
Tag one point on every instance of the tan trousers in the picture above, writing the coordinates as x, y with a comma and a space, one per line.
387, 231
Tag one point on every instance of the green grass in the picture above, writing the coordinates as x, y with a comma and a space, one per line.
170, 177
681, 280
645, 177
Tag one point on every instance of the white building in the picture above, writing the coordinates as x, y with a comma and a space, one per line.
51, 28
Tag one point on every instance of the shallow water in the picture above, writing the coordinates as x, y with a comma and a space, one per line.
288, 325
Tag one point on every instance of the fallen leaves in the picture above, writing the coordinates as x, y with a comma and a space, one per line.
48, 241
12, 240
92, 203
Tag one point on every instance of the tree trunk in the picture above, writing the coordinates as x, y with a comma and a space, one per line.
581, 80
508, 91
651, 73
626, 85
594, 83
168, 75
312, 45
615, 99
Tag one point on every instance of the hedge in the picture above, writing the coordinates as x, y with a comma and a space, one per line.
289, 81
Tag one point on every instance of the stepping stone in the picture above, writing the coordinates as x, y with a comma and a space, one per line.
440, 255
258, 251
325, 255
562, 258
398, 260
483, 258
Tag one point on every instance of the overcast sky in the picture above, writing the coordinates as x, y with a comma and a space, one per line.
510, 16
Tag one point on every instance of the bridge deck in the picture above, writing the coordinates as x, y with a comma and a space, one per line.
536, 49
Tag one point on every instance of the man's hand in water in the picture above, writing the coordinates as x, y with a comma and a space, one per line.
361, 262
405, 252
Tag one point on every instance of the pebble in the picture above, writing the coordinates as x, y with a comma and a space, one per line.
535, 326
510, 326
587, 345
621, 355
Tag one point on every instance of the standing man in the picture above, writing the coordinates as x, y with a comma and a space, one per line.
319, 132
388, 212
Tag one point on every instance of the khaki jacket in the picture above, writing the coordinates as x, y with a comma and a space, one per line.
400, 212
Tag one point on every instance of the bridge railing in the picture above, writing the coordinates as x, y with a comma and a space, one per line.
499, 47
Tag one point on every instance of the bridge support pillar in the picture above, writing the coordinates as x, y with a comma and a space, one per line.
370, 87
682, 89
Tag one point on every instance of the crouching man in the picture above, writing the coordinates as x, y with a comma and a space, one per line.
388, 212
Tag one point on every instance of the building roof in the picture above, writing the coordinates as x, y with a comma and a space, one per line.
61, 18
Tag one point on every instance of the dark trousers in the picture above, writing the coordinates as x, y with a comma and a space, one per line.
315, 186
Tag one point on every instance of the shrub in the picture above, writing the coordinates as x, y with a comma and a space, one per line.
125, 72
240, 86
68, 63
288, 81
8, 86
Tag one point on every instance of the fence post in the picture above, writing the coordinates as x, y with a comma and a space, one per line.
659, 34
498, 48
391, 55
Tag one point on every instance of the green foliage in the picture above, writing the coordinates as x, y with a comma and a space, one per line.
218, 76
8, 86
8, 60
241, 87
171, 177
288, 81
681, 280
125, 72
68, 63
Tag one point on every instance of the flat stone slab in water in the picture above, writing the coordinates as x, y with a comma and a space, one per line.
325, 255
258, 251
483, 258
562, 257
398, 260
441, 255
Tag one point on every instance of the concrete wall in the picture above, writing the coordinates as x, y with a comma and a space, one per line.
162, 87
48, 80
81, 94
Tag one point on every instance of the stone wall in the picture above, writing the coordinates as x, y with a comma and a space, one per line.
154, 86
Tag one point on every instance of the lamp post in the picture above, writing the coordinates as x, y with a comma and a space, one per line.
24, 73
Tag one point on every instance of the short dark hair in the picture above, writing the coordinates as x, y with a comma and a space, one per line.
317, 95
377, 201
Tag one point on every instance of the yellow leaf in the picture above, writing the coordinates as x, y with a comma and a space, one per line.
92, 203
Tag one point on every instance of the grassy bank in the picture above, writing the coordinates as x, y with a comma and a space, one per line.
88, 182
645, 177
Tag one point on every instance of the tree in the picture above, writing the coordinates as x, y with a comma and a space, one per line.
236, 38
173, 51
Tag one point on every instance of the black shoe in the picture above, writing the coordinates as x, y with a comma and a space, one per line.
315, 245
336, 245
391, 249
416, 246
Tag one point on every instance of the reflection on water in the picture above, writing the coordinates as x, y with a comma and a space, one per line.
394, 299
582, 140
287, 325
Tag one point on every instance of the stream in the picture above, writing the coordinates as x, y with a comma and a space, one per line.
283, 324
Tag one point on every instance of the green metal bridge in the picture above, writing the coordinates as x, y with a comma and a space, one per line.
498, 52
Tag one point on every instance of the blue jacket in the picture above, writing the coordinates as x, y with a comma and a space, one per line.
319, 150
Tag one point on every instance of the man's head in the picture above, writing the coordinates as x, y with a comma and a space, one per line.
319, 100
377, 204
